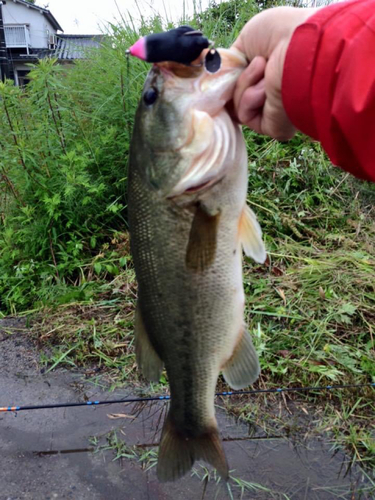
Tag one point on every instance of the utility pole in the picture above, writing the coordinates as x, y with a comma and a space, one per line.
4, 61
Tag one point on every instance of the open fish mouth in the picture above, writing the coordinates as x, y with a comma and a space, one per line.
231, 59
207, 91
211, 146
214, 154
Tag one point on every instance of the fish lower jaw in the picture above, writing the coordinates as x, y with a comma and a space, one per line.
196, 188
199, 187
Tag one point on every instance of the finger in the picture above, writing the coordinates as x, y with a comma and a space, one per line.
275, 122
252, 102
259, 113
254, 121
238, 44
250, 77
263, 122
232, 112
264, 31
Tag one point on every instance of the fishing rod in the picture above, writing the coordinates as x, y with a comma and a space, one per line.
168, 397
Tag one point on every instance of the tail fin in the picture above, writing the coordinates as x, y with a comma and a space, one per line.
178, 453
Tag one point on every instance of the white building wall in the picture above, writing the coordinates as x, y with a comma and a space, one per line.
16, 13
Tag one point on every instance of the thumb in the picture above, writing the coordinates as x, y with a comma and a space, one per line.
261, 35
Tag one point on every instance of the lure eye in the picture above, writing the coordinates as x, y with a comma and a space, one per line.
150, 96
213, 61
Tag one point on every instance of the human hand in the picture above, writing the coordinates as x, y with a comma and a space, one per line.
257, 100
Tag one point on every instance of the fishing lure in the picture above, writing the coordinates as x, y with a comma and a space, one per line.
182, 45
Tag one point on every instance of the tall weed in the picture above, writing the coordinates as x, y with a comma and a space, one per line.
63, 164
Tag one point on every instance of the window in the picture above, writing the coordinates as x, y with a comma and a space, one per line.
22, 77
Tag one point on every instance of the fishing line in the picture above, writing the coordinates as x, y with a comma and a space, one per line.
167, 397
128, 94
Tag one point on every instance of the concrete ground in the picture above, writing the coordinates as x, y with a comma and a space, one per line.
48, 454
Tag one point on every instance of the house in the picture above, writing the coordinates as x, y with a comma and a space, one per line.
31, 33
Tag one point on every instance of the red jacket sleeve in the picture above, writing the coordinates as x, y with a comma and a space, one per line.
329, 83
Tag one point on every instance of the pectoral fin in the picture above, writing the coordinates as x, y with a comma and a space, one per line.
201, 249
243, 368
146, 356
251, 236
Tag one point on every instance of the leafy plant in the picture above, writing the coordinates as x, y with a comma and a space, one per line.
63, 169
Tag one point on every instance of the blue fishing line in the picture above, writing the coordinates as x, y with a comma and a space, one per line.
167, 397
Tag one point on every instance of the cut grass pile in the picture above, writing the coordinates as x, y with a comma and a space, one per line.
96, 334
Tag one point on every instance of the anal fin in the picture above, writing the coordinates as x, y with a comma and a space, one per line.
243, 368
250, 235
147, 358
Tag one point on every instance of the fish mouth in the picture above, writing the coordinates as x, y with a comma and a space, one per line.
211, 145
174, 69
214, 153
194, 87
231, 60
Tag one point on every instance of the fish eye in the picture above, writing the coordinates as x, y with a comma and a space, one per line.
150, 96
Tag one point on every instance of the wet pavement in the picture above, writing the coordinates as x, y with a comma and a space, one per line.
49, 454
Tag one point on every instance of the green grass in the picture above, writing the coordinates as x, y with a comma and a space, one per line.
146, 457
234, 485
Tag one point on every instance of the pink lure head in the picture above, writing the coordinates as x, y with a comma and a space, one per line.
139, 49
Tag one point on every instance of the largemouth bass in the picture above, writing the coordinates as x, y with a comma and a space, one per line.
188, 220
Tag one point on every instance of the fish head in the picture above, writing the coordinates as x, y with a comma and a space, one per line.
175, 121
193, 87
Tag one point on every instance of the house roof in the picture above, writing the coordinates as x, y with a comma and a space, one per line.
51, 18
68, 48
